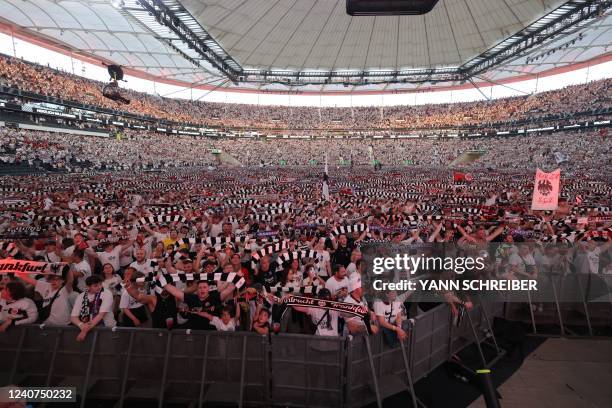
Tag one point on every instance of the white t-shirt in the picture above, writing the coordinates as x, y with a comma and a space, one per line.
159, 236
125, 258
68, 251
111, 257
111, 285
144, 267
106, 306
128, 302
60, 311
593, 259
322, 260
23, 311
335, 286
327, 324
49, 256
521, 263
356, 319
220, 326
85, 269
351, 269
388, 311
215, 229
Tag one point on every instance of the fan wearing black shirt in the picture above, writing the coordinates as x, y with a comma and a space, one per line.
203, 302
163, 306
264, 274
342, 250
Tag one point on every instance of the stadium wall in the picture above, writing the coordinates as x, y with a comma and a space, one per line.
72, 131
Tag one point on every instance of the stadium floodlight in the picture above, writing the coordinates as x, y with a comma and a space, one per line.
118, 4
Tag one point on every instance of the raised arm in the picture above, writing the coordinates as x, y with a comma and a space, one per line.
227, 292
435, 234
495, 233
174, 291
465, 234
140, 297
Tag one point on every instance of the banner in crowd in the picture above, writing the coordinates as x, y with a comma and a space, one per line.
17, 266
546, 190
342, 307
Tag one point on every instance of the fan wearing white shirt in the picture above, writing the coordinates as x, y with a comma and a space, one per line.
15, 308
92, 307
589, 252
226, 322
357, 324
134, 312
80, 268
160, 235
110, 254
325, 321
338, 284
322, 259
355, 260
522, 264
142, 264
216, 226
55, 292
389, 315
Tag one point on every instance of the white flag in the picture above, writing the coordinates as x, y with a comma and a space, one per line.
546, 190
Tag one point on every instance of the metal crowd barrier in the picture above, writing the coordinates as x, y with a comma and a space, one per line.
567, 305
159, 367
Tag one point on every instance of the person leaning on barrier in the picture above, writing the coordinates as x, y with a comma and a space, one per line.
204, 300
15, 308
356, 324
134, 313
226, 322
588, 253
92, 308
522, 264
325, 321
390, 316
261, 319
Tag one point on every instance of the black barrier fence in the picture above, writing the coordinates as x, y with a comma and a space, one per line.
159, 367
549, 312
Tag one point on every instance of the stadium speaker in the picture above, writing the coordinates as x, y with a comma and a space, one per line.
389, 7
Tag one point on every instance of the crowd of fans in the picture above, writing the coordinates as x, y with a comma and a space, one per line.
129, 236
121, 245
520, 152
147, 150
587, 99
131, 150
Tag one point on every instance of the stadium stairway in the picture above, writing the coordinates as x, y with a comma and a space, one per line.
226, 159
468, 157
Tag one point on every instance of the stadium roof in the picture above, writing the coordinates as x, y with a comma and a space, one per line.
319, 35
252, 37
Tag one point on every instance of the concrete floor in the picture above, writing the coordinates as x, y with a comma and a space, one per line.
561, 373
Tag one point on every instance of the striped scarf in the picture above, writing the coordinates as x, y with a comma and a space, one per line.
89, 312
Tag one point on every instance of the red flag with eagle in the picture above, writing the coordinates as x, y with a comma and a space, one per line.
546, 190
